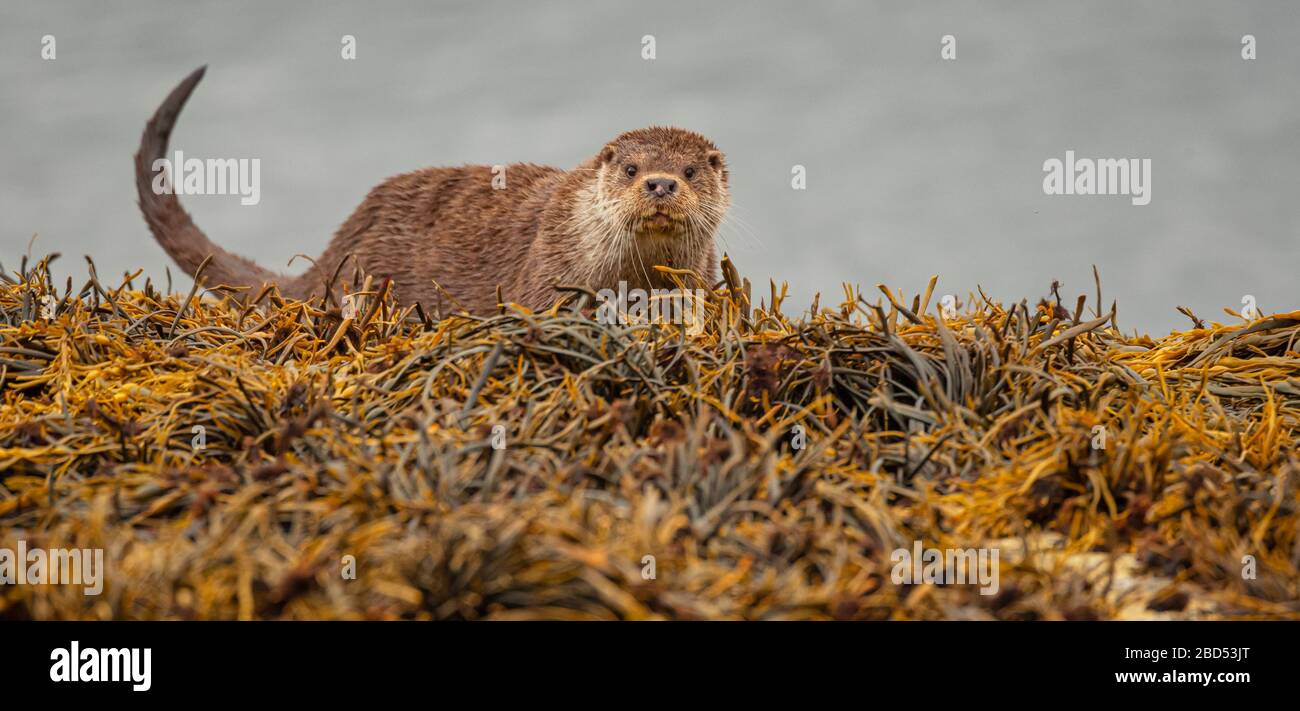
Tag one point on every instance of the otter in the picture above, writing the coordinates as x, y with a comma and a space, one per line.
449, 239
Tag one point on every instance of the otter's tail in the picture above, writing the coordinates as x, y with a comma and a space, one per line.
170, 223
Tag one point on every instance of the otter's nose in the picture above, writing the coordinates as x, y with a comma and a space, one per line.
661, 187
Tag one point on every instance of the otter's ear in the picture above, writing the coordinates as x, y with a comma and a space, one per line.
715, 159
607, 155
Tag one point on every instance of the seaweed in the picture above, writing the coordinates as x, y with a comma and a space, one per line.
312, 460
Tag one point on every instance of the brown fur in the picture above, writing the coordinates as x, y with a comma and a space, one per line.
446, 237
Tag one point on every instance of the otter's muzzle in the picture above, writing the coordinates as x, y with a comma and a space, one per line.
661, 187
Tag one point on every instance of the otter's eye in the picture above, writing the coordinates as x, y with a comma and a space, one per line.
689, 172
631, 171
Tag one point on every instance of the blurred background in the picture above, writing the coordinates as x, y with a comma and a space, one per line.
915, 165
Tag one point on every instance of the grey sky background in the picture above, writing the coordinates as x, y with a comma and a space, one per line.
916, 166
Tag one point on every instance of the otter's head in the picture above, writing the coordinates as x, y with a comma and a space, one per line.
663, 186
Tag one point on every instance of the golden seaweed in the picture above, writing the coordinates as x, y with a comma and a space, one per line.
302, 460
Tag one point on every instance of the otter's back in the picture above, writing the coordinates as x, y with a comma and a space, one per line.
467, 228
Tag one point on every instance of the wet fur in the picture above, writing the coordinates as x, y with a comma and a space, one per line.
448, 239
